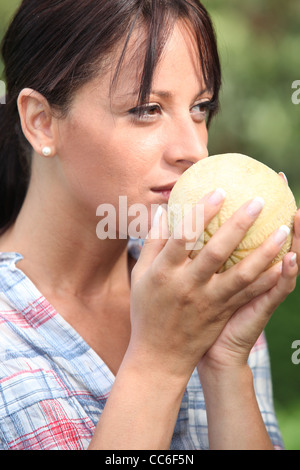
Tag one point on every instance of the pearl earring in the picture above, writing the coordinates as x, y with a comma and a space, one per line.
46, 151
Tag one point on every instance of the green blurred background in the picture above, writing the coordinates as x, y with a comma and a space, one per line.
259, 42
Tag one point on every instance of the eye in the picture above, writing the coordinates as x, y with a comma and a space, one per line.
200, 110
145, 112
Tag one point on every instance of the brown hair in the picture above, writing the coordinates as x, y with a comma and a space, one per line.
55, 47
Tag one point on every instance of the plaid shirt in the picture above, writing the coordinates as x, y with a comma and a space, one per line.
53, 386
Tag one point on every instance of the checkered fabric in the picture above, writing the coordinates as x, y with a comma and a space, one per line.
53, 386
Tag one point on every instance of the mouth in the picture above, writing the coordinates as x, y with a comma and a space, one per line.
164, 191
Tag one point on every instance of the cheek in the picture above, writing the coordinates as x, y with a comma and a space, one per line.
99, 166
85, 169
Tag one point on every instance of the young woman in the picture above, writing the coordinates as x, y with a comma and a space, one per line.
106, 99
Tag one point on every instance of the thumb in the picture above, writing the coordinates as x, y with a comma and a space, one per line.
283, 176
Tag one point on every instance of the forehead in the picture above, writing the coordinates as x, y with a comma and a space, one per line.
179, 58
178, 71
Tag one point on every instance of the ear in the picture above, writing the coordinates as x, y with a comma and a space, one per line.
37, 121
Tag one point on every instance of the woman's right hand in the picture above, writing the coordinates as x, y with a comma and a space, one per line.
179, 306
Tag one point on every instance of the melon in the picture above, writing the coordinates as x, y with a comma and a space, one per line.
243, 178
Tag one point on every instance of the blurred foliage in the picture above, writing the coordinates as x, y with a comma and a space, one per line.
259, 44
7, 8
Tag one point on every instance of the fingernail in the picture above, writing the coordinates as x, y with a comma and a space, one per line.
256, 206
155, 222
217, 197
281, 235
284, 176
293, 260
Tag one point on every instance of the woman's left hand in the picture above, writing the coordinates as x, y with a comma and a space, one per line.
240, 334
296, 236
234, 418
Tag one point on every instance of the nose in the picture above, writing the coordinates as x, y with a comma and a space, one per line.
186, 143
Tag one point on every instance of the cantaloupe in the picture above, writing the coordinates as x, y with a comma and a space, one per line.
243, 178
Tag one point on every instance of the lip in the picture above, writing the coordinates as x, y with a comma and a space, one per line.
165, 188
164, 192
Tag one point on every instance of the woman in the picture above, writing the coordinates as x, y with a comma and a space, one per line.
107, 99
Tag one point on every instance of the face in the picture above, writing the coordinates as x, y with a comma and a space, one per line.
108, 148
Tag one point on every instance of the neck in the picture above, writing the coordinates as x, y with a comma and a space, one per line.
60, 247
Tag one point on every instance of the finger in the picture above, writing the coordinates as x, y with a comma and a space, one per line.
247, 270
255, 314
266, 304
155, 241
296, 237
191, 228
266, 281
218, 249
283, 176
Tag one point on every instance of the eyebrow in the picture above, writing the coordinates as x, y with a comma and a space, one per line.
165, 94
169, 95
